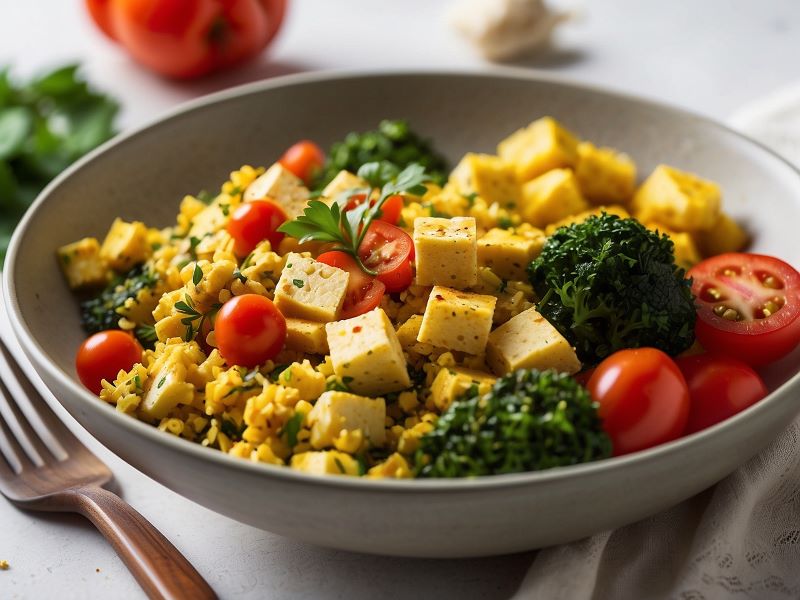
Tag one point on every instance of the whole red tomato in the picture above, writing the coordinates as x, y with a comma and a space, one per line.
103, 355
189, 38
250, 330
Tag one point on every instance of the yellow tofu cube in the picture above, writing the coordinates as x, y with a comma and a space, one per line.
366, 352
605, 175
394, 467
450, 383
490, 177
168, 389
457, 320
310, 290
301, 376
446, 251
614, 209
725, 235
281, 185
551, 197
125, 245
407, 332
329, 462
529, 341
343, 181
684, 247
82, 265
541, 146
306, 336
335, 412
677, 199
508, 254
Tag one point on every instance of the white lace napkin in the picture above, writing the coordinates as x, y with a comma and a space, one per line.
739, 539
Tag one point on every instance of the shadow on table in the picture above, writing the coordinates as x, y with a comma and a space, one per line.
255, 70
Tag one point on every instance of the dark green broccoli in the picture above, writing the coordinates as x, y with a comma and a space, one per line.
609, 283
530, 420
394, 145
101, 312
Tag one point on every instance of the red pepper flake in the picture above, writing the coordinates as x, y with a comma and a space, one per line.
439, 297
357, 328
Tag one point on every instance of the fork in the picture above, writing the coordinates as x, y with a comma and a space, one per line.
46, 468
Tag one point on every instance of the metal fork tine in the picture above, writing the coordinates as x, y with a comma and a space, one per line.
41, 419
18, 424
11, 451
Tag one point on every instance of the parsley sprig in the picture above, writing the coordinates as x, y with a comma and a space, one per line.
322, 223
187, 307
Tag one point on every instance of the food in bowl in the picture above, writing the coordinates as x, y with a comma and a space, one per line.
388, 322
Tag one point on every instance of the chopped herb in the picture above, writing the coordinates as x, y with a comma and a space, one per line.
193, 242
146, 334
470, 198
504, 223
298, 283
276, 372
205, 197
229, 428
502, 287
161, 382
237, 274
225, 208
197, 276
339, 465
286, 375
292, 428
362, 464
137, 383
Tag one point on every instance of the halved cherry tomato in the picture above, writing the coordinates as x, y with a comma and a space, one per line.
390, 209
643, 397
304, 159
249, 330
363, 292
748, 306
719, 387
103, 355
252, 222
389, 251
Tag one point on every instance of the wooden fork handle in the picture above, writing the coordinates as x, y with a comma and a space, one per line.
157, 565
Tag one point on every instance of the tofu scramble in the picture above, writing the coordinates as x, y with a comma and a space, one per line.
331, 330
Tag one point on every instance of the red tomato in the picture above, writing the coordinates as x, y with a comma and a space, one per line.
364, 293
390, 210
719, 387
249, 330
105, 354
189, 38
304, 159
584, 376
644, 400
389, 251
748, 306
252, 222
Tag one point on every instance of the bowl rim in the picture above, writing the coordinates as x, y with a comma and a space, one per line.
197, 451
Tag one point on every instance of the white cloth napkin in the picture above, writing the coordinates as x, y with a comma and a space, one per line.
739, 539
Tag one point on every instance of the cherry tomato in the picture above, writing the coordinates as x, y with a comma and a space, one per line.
644, 399
304, 159
748, 306
249, 330
389, 251
584, 376
189, 38
719, 387
364, 293
390, 210
252, 222
103, 355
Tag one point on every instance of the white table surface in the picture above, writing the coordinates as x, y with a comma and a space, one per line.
710, 56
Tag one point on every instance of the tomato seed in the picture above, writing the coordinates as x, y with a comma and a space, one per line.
731, 315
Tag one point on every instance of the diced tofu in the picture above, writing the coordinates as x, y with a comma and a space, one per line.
330, 462
301, 376
337, 411
306, 336
169, 389
407, 332
604, 175
282, 186
508, 254
82, 265
125, 245
725, 235
551, 197
679, 200
366, 351
446, 251
684, 247
310, 290
343, 181
457, 320
211, 219
492, 178
614, 209
451, 383
541, 146
529, 341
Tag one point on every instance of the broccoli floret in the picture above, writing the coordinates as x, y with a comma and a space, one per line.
530, 420
394, 145
102, 312
609, 283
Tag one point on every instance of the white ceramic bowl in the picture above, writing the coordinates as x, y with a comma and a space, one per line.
143, 175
